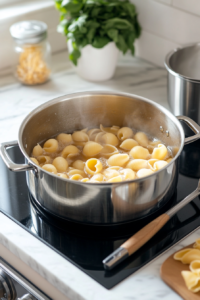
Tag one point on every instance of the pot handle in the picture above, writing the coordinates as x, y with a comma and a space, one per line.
9, 163
193, 126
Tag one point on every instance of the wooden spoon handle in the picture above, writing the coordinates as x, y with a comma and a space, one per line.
146, 233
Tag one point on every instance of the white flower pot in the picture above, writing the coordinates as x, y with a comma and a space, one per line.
97, 64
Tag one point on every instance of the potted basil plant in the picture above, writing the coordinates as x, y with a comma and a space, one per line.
96, 30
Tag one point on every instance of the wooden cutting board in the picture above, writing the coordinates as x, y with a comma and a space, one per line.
171, 274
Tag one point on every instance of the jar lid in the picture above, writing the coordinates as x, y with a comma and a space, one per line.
30, 32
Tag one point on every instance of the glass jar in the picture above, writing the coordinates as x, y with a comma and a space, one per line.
33, 52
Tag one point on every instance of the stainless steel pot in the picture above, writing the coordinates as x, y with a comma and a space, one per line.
183, 69
105, 203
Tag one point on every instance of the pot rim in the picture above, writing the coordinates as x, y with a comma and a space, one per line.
171, 71
74, 95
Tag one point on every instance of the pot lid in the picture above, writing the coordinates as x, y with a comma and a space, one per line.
29, 31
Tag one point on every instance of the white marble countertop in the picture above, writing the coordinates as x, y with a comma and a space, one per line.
16, 101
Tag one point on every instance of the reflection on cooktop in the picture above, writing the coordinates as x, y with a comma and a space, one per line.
86, 246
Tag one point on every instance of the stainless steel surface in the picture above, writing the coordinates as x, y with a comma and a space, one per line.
9, 163
9, 292
193, 126
29, 32
27, 297
104, 203
115, 258
183, 69
185, 201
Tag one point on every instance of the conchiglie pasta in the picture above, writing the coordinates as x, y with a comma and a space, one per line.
137, 164
34, 160
93, 166
186, 256
61, 164
128, 144
128, 174
160, 152
37, 151
104, 154
144, 172
124, 133
142, 139
92, 149
118, 160
78, 164
50, 168
70, 151
139, 152
51, 146
64, 138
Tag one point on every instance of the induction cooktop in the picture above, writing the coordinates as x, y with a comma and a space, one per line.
86, 246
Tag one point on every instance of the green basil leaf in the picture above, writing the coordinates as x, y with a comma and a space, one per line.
74, 56
121, 44
100, 41
72, 5
118, 24
113, 34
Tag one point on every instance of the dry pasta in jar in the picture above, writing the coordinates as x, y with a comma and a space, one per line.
104, 154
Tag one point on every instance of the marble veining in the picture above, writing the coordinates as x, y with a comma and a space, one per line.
132, 76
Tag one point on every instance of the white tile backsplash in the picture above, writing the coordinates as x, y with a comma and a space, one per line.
166, 23
192, 6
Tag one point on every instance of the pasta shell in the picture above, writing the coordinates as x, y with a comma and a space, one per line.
92, 133
118, 160
110, 173
144, 172
64, 138
160, 164
98, 177
160, 152
197, 244
78, 164
44, 159
76, 171
50, 168
34, 160
187, 255
113, 129
70, 151
85, 180
192, 281
37, 150
61, 164
80, 136
151, 163
168, 160
142, 139
93, 166
98, 137
92, 149
115, 179
109, 150
124, 133
195, 266
62, 175
51, 146
76, 177
139, 152
137, 164
109, 138
128, 174
128, 144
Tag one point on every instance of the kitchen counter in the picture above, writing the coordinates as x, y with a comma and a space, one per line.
132, 76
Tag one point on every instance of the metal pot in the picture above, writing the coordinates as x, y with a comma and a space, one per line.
182, 65
103, 203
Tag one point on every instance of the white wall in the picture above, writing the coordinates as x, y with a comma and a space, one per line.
166, 24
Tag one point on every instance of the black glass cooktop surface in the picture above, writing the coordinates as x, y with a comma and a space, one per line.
86, 246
